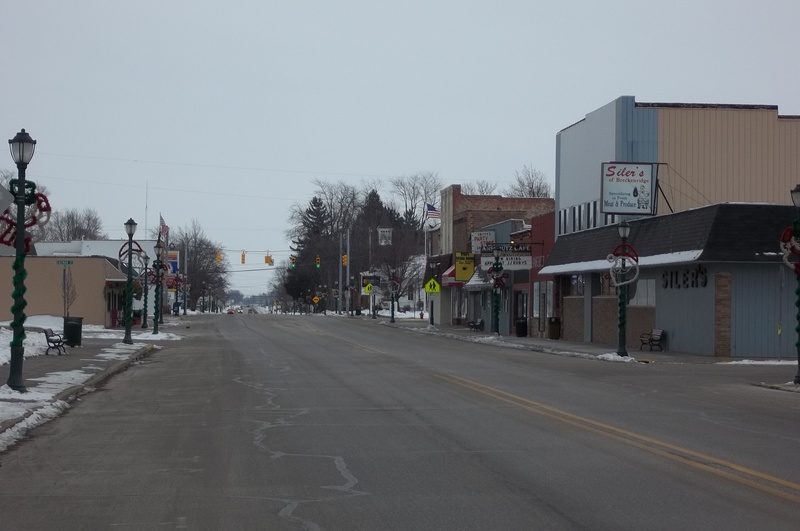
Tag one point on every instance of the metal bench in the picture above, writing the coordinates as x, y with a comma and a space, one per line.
653, 339
54, 341
476, 325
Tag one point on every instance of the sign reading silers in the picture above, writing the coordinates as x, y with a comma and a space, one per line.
628, 188
514, 257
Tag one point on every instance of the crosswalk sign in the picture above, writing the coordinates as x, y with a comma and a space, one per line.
432, 286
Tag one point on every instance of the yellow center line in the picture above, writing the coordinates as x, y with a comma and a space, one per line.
745, 476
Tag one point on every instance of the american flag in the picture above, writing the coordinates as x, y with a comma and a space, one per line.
164, 229
431, 212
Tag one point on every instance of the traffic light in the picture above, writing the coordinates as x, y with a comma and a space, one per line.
293, 260
268, 260
344, 259
219, 257
243, 253
317, 262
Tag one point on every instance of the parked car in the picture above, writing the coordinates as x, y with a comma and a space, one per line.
230, 311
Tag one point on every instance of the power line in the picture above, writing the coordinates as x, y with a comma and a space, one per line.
218, 166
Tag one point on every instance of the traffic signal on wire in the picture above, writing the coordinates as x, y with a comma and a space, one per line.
293, 260
317, 262
219, 257
344, 259
243, 253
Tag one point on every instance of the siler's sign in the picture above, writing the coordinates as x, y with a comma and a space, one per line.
628, 188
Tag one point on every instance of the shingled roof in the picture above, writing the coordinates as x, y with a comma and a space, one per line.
725, 232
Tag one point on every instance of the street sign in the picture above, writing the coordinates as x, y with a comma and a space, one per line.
64, 262
432, 286
315, 299
368, 289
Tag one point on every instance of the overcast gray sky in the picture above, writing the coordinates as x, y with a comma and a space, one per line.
224, 111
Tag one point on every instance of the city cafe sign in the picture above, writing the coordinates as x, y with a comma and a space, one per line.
514, 257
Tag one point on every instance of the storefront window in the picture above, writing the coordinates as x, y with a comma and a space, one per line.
645, 293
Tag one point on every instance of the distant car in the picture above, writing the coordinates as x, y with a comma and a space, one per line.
239, 310
230, 311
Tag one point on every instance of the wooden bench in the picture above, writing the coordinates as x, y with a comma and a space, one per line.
54, 341
476, 325
653, 339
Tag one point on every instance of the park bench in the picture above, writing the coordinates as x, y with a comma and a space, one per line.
476, 325
54, 341
652, 339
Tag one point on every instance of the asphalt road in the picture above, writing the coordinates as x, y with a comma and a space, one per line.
297, 422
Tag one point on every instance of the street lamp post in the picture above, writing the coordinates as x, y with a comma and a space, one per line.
159, 247
789, 246
146, 260
391, 300
130, 230
22, 147
624, 230
497, 270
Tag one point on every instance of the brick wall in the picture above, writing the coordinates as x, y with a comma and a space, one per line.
722, 314
471, 212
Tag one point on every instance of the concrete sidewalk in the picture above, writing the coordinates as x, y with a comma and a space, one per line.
66, 377
538, 344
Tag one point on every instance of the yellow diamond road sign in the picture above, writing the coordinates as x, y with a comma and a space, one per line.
368, 289
315, 299
432, 286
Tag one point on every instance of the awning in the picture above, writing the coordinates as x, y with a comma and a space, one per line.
479, 281
681, 257
449, 277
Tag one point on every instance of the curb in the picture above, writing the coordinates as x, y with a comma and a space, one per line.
71, 394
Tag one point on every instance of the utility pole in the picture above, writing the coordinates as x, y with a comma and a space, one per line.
347, 280
339, 305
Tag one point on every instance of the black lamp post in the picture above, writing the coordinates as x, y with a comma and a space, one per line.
130, 230
391, 300
497, 269
796, 229
146, 260
22, 147
624, 230
159, 247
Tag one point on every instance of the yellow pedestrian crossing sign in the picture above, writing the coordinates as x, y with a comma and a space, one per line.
432, 286
368, 289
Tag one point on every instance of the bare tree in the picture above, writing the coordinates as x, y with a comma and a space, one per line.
73, 224
480, 187
529, 182
69, 293
413, 192
206, 275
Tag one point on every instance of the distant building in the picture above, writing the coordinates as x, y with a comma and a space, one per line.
461, 215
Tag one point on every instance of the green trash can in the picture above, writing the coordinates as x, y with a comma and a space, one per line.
73, 328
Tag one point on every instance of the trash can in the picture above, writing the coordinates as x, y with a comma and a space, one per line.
73, 328
553, 327
522, 327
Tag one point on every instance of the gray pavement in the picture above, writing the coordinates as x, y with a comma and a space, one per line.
89, 365
91, 359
